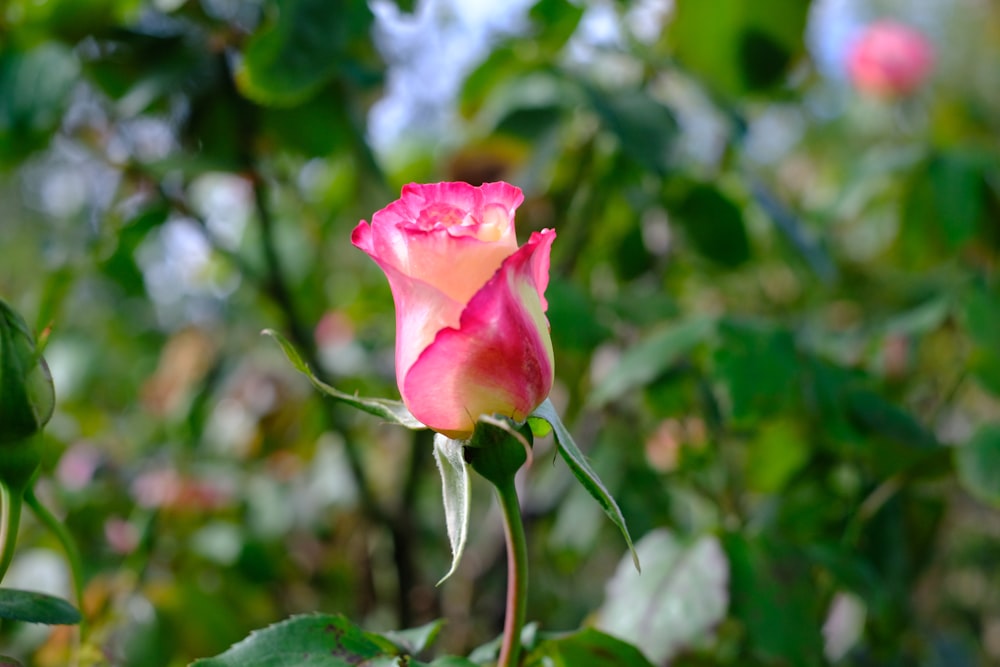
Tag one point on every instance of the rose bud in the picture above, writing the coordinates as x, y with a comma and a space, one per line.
890, 60
471, 333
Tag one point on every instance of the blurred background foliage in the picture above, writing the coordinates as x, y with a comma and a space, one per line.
774, 302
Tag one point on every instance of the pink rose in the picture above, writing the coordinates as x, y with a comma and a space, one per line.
890, 60
471, 332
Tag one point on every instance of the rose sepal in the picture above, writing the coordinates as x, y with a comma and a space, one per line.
583, 471
391, 411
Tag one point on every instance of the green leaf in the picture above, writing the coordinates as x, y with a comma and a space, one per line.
777, 452
682, 594
714, 225
314, 640
584, 473
392, 411
978, 463
651, 357
645, 128
759, 366
290, 59
455, 493
774, 597
738, 46
586, 648
34, 87
32, 607
415, 640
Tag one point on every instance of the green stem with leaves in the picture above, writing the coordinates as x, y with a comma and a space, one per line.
517, 574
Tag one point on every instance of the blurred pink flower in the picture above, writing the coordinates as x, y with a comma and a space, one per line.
122, 536
890, 60
168, 489
471, 332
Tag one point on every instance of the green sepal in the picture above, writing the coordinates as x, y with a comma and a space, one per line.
498, 448
391, 411
455, 495
584, 473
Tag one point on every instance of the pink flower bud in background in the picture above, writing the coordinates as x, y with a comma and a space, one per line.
471, 332
890, 60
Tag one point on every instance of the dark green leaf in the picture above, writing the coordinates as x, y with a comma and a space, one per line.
584, 473
759, 367
978, 463
289, 60
586, 648
392, 411
645, 128
32, 607
34, 88
775, 599
714, 224
315, 640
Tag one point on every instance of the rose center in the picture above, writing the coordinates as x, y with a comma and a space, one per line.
489, 227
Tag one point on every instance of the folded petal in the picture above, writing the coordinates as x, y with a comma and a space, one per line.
499, 359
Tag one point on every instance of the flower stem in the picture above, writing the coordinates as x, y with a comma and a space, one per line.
517, 574
10, 519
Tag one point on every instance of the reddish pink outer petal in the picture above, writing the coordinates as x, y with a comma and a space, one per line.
499, 360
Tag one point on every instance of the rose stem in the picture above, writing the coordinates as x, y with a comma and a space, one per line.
517, 574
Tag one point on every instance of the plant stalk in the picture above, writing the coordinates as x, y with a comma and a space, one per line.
517, 574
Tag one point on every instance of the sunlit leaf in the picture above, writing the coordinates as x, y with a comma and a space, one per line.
290, 59
315, 640
392, 411
682, 593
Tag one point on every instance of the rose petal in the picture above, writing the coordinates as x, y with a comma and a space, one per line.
449, 235
421, 309
499, 360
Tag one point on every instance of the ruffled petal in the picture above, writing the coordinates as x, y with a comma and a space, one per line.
499, 360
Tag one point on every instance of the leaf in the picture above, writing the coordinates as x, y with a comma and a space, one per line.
585, 474
738, 46
978, 463
651, 357
290, 59
585, 648
777, 452
645, 127
774, 597
7, 661
313, 640
789, 224
392, 411
34, 87
714, 225
415, 640
682, 594
33, 607
455, 494
759, 366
